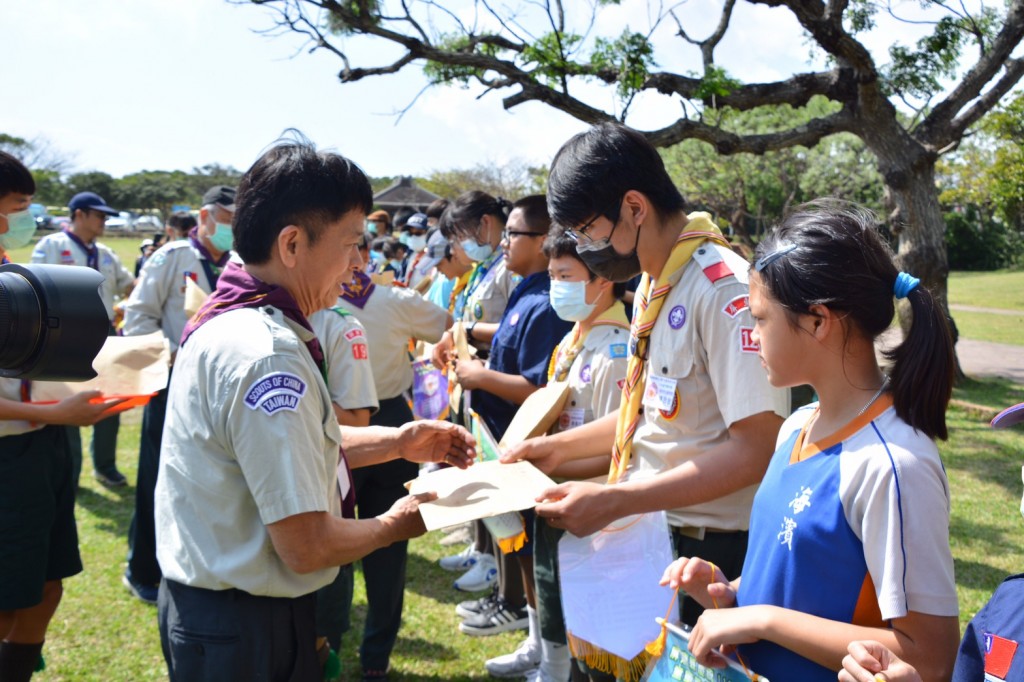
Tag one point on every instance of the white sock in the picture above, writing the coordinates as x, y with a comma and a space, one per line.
555, 661
534, 633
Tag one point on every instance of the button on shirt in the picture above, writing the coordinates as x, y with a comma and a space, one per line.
250, 439
59, 249
526, 337
391, 317
702, 354
158, 301
349, 375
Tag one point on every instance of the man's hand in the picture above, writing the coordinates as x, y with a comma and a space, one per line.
579, 507
470, 373
442, 353
436, 441
701, 580
868, 661
538, 451
403, 520
78, 410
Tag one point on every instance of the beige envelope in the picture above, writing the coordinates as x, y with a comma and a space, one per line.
537, 415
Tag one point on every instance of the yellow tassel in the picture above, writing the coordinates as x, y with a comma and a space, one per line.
657, 647
512, 544
599, 659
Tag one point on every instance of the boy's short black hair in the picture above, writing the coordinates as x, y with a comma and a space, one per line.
15, 176
294, 184
559, 244
436, 208
182, 221
592, 172
535, 212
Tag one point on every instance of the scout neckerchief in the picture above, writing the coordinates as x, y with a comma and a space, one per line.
4, 260
481, 272
92, 253
211, 266
652, 297
357, 292
565, 354
460, 286
237, 289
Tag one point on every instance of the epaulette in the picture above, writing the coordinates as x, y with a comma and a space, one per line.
712, 263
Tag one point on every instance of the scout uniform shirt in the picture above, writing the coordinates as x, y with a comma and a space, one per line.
703, 374
15, 390
60, 249
597, 373
250, 439
489, 289
391, 316
158, 301
349, 374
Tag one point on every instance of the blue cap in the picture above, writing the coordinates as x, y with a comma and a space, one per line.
90, 201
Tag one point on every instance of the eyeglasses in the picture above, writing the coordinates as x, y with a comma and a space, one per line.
507, 234
584, 242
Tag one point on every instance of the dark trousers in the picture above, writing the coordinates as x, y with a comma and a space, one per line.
333, 606
725, 550
216, 635
377, 488
102, 447
142, 562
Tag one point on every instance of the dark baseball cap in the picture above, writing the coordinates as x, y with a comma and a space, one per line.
1009, 416
417, 221
222, 195
437, 250
90, 201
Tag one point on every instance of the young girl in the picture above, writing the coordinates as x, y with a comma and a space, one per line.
849, 532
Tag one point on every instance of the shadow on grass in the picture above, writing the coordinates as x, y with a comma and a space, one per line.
994, 392
427, 579
989, 455
112, 515
972, 574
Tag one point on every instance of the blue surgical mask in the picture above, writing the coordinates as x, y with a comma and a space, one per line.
396, 264
20, 228
377, 257
222, 237
476, 252
416, 242
569, 299
371, 226
404, 238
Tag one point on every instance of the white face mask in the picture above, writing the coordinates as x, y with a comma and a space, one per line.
416, 243
569, 299
21, 225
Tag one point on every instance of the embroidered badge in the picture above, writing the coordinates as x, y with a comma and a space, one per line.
275, 392
107, 260
353, 334
673, 411
999, 653
194, 276
736, 305
360, 352
478, 310
677, 317
585, 373
747, 343
617, 350
66, 258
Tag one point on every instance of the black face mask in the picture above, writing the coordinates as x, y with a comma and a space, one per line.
608, 263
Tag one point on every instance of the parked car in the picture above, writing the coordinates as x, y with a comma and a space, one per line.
43, 219
121, 223
148, 223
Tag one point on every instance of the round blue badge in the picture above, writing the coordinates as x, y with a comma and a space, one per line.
585, 374
478, 310
677, 317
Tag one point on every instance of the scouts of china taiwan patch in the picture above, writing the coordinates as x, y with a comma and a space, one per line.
275, 392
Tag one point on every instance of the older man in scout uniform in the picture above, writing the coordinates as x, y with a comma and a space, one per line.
158, 304
77, 245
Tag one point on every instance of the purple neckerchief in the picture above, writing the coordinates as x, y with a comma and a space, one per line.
4, 260
92, 253
197, 243
237, 289
357, 292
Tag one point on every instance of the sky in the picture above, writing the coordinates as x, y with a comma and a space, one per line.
175, 84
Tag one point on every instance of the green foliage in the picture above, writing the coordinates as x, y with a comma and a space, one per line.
50, 189
977, 243
860, 16
102, 183
716, 82
352, 15
548, 58
511, 180
631, 55
439, 73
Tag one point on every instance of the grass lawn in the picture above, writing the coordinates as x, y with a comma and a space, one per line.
125, 245
990, 327
998, 289
102, 633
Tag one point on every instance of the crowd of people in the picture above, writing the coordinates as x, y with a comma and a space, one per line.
811, 543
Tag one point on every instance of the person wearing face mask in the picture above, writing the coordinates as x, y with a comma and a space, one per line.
414, 235
16, 222
378, 223
697, 445
473, 224
78, 245
158, 304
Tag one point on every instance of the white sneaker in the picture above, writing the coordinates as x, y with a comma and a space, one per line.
463, 561
523, 661
539, 675
480, 577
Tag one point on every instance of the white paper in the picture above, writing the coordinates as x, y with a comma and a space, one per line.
126, 365
484, 489
610, 591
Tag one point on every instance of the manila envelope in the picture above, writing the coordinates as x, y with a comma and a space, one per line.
537, 415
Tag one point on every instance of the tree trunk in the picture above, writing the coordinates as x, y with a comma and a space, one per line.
920, 229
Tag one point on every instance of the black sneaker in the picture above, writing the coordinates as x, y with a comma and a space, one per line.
474, 607
145, 593
501, 618
112, 478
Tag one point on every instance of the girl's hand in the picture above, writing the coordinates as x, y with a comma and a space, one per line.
702, 581
869, 661
718, 631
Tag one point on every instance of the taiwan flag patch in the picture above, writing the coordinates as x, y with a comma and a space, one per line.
999, 653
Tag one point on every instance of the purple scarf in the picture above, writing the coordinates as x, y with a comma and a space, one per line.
197, 243
92, 253
357, 292
237, 289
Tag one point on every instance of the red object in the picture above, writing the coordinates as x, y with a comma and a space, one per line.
999, 653
717, 271
359, 351
747, 343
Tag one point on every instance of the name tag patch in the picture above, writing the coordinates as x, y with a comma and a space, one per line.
617, 350
660, 393
747, 343
354, 334
275, 392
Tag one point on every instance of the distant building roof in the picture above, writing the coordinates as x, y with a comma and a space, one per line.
404, 192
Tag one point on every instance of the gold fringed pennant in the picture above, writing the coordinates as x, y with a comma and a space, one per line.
508, 530
513, 544
599, 659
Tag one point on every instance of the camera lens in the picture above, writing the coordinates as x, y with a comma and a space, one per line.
52, 322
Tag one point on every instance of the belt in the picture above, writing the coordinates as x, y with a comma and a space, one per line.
698, 532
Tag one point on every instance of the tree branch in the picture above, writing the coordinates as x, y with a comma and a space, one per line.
836, 84
725, 142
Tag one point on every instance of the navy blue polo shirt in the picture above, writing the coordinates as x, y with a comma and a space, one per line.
526, 338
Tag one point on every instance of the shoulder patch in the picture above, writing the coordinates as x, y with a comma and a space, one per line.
712, 263
736, 305
275, 392
353, 334
747, 343
157, 259
617, 350
341, 311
